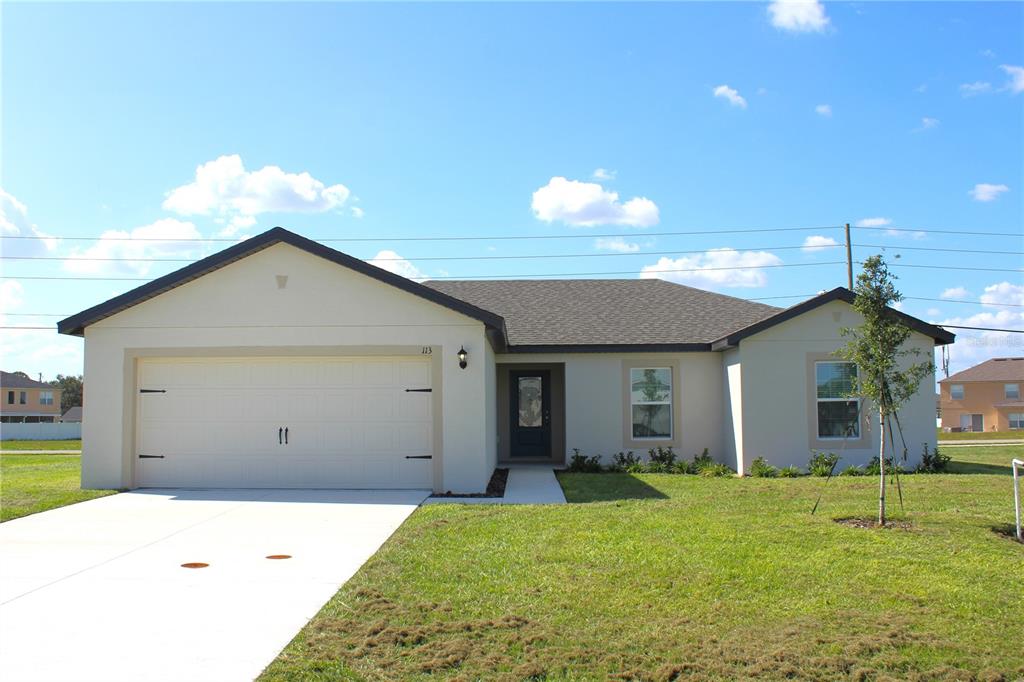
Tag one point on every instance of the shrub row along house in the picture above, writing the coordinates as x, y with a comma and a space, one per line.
279, 362
24, 400
986, 397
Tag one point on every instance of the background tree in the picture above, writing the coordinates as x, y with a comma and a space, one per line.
72, 388
877, 347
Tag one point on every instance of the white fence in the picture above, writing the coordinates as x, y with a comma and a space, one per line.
41, 431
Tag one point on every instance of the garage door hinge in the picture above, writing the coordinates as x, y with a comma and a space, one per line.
151, 456
419, 390
152, 390
419, 457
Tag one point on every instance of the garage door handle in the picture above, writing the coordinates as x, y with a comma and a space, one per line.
419, 390
419, 457
151, 456
286, 435
279, 436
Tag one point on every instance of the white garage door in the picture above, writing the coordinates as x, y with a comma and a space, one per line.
284, 423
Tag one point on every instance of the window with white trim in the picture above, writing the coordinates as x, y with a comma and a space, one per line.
956, 391
1016, 420
838, 412
1011, 391
46, 397
650, 402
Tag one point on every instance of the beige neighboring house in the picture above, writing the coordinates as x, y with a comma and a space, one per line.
24, 400
282, 363
986, 397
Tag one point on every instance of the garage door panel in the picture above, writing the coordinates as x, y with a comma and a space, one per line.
350, 423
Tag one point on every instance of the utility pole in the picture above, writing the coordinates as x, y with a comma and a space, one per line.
849, 260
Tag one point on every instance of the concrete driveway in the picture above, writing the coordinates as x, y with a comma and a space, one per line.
96, 591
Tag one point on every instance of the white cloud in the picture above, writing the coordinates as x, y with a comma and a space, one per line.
616, 244
223, 187
587, 204
921, 89
816, 243
933, 313
14, 222
392, 262
357, 212
33, 350
984, 191
799, 16
873, 222
11, 295
824, 110
973, 346
959, 293
927, 123
165, 238
716, 268
975, 88
604, 174
1003, 293
1016, 74
730, 94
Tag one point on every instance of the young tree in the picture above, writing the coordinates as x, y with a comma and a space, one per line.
884, 375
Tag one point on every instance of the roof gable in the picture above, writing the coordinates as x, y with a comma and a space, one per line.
76, 324
940, 335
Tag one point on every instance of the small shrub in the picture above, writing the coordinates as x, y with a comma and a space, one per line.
872, 468
581, 464
932, 463
684, 467
852, 470
624, 462
715, 469
702, 460
661, 460
822, 463
760, 468
790, 472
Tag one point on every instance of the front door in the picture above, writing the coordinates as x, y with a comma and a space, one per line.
530, 418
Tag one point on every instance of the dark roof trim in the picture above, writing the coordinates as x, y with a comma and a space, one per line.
941, 336
76, 324
613, 348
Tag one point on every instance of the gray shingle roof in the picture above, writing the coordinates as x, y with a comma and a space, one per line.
607, 311
11, 380
996, 369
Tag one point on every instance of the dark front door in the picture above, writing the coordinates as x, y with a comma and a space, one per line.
530, 419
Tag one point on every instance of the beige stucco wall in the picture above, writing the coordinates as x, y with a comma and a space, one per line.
595, 402
980, 397
777, 402
323, 309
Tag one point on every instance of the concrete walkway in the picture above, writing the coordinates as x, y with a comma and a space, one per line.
526, 485
97, 591
977, 443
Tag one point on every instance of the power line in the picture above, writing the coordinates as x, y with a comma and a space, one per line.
542, 236
538, 256
984, 329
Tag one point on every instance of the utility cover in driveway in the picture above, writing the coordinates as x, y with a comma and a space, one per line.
97, 591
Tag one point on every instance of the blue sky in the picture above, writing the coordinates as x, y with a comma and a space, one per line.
392, 120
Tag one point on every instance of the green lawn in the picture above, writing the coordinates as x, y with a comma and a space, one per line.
661, 577
982, 435
35, 483
40, 445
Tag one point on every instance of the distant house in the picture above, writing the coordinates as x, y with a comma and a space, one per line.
74, 414
24, 400
986, 397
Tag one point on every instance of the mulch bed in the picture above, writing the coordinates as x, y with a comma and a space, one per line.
495, 487
863, 522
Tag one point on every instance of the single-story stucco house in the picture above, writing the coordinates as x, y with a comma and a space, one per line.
280, 362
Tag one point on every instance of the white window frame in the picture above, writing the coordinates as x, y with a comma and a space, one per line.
46, 397
1016, 391
1016, 417
952, 391
817, 432
671, 408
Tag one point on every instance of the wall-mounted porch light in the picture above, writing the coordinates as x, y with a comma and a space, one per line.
462, 357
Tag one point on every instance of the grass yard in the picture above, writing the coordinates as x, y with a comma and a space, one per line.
981, 435
9, 445
658, 577
35, 483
